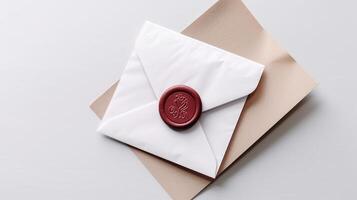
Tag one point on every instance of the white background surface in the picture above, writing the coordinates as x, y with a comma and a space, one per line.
57, 56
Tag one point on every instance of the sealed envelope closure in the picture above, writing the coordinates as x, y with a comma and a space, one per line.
162, 59
180, 107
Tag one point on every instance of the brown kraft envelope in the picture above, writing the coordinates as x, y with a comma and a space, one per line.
229, 25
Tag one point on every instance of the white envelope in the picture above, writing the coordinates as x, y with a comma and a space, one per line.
161, 59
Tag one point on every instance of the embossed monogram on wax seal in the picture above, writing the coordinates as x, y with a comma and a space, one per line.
180, 106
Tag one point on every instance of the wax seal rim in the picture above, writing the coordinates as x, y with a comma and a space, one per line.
197, 102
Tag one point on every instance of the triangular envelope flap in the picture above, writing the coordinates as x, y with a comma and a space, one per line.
143, 128
133, 118
170, 58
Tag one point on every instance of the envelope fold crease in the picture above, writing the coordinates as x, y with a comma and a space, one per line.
143, 128
170, 58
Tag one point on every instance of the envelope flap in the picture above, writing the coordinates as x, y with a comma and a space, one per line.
143, 128
170, 58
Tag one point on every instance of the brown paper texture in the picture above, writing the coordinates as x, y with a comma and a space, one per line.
229, 25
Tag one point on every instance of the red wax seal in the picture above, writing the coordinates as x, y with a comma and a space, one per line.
180, 107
